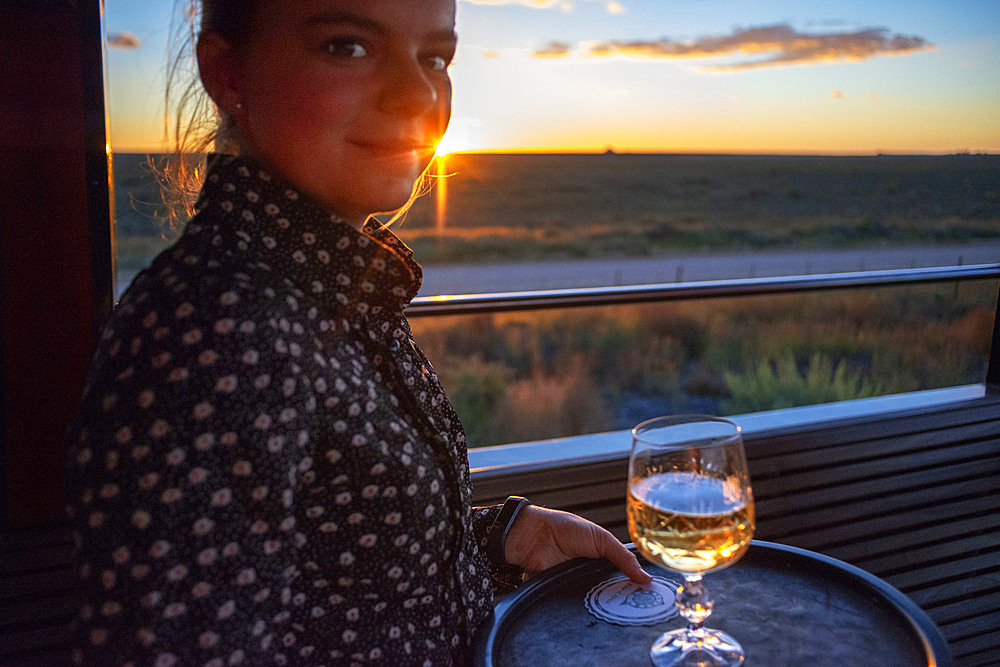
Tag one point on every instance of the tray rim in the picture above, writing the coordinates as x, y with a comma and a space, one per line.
926, 632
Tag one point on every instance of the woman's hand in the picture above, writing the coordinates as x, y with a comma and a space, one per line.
541, 538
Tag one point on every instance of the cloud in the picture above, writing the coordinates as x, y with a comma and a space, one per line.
123, 40
553, 50
537, 4
837, 95
784, 44
612, 6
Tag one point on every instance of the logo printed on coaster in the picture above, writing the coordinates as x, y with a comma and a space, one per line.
620, 601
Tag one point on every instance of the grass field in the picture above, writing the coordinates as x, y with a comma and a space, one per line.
527, 376
543, 206
513, 207
532, 375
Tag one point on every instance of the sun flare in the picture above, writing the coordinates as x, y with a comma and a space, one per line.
459, 137
448, 145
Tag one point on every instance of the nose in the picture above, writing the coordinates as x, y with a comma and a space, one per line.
411, 91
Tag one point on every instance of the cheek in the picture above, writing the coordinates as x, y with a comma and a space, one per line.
333, 105
312, 104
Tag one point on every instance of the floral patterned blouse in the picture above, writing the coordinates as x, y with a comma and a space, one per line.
264, 468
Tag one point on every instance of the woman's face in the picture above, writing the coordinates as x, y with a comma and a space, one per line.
347, 99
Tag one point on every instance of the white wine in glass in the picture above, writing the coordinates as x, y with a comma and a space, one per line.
690, 509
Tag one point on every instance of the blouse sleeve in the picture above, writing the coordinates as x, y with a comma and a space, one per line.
505, 576
184, 458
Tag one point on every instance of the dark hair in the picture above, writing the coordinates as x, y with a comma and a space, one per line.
229, 18
199, 126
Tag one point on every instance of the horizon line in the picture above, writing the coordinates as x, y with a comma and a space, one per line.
717, 153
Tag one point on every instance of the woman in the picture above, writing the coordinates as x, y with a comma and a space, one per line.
265, 468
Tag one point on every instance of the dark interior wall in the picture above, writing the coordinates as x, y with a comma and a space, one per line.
55, 272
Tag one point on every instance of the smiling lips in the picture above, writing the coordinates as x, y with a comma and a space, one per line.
394, 148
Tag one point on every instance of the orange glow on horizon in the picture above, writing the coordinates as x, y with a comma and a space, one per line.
678, 150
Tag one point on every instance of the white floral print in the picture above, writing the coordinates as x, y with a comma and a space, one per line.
264, 468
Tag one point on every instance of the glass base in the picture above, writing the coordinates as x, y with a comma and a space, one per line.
696, 648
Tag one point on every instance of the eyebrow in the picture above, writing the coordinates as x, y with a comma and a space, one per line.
369, 24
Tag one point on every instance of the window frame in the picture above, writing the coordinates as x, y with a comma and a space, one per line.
102, 249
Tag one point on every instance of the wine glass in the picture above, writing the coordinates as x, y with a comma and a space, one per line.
691, 509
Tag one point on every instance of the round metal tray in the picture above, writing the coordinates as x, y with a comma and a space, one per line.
786, 606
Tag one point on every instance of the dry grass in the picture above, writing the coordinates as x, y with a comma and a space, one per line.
511, 207
541, 374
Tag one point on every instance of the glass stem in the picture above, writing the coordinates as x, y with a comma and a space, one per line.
693, 602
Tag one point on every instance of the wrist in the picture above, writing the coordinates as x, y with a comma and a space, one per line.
496, 542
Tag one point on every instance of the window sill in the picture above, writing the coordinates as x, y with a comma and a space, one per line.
522, 457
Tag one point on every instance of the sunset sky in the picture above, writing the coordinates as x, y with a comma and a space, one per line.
796, 76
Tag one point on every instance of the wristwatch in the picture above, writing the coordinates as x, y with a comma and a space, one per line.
496, 542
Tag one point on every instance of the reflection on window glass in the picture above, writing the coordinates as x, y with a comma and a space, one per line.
528, 376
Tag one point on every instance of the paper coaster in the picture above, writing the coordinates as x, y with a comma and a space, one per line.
620, 601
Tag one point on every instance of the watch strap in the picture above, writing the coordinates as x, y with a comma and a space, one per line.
496, 540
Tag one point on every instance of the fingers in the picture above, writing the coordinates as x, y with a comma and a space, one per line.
613, 550
635, 572
541, 538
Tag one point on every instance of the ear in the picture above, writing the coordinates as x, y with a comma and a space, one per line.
218, 67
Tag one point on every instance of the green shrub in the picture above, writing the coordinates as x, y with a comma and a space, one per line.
784, 383
477, 389
540, 374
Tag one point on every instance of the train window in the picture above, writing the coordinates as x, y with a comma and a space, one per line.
623, 142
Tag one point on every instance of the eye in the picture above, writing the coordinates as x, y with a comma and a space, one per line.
347, 48
437, 63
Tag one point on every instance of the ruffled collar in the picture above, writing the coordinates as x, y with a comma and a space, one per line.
251, 213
